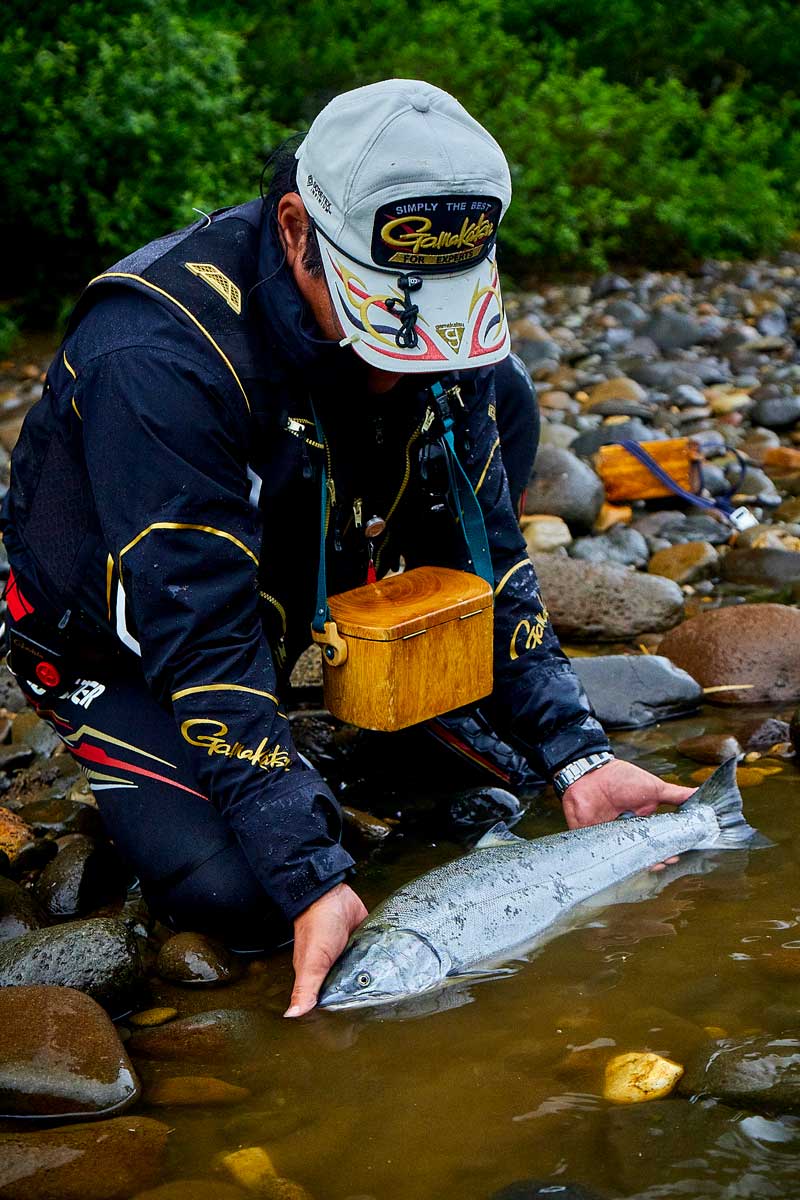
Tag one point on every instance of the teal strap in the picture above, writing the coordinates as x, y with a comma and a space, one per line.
322, 613
469, 510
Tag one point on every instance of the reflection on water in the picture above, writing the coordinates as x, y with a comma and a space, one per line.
499, 1079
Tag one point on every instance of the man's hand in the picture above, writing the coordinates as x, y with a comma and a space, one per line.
616, 788
320, 936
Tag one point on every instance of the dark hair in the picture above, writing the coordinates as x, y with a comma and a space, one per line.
280, 175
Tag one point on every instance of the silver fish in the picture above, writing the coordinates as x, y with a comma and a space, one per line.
509, 891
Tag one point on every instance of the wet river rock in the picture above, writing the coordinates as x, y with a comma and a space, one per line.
215, 1034
101, 1160
19, 912
57, 816
195, 960
710, 748
30, 730
629, 691
60, 1056
686, 562
757, 644
760, 1072
81, 877
602, 602
99, 956
621, 545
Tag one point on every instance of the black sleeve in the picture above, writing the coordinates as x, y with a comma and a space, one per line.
164, 442
538, 702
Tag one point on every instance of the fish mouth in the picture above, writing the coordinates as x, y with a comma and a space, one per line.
341, 1000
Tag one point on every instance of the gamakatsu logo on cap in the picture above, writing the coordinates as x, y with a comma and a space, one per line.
440, 233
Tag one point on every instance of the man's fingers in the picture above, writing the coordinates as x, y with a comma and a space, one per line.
308, 980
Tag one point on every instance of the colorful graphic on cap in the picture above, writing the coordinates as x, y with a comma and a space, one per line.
459, 324
435, 233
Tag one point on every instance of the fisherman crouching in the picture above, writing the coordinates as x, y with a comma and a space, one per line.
163, 521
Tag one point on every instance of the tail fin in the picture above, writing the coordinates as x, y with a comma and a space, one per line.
721, 791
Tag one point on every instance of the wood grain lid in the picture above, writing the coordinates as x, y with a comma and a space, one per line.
404, 604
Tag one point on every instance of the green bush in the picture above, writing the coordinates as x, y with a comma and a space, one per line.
655, 131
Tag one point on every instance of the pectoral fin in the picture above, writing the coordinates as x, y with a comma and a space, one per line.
498, 835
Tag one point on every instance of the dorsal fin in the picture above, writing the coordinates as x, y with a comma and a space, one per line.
498, 835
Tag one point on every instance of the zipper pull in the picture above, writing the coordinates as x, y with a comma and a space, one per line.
332, 491
306, 460
372, 575
337, 528
428, 421
357, 510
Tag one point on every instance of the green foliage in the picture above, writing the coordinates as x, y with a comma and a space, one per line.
647, 130
9, 331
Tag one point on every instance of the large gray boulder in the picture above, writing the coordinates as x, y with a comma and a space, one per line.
606, 603
99, 956
563, 486
629, 691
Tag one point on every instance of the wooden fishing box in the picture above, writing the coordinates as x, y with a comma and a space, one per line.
409, 647
625, 478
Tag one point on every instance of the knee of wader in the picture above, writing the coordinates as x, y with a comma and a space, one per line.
223, 898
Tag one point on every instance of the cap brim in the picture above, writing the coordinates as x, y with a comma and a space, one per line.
461, 322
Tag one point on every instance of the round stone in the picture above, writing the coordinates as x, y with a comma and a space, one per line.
194, 959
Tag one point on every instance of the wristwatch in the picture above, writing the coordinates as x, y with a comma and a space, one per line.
577, 769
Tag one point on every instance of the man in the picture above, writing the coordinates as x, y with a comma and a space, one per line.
163, 520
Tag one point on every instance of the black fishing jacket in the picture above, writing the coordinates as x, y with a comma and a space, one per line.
165, 500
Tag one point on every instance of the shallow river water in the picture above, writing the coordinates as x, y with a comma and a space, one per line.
500, 1081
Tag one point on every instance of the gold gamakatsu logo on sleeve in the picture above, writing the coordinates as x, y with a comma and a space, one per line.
533, 631
214, 742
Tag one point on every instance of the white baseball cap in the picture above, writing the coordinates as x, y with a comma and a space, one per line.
406, 191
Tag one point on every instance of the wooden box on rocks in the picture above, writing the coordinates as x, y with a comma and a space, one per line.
409, 647
625, 478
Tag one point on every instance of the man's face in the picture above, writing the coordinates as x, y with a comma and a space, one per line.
296, 229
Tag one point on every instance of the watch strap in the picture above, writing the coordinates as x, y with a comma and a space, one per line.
575, 770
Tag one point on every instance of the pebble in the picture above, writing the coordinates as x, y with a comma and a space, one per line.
603, 602
758, 1072
370, 828
81, 877
563, 486
763, 734
251, 1167
102, 1160
193, 1091
194, 959
60, 1056
710, 748
14, 834
99, 956
686, 562
217, 1033
543, 533
32, 731
745, 776
754, 644
56, 816
638, 1076
19, 912
152, 1016
618, 388
771, 566
621, 545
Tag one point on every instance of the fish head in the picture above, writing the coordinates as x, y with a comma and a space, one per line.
380, 965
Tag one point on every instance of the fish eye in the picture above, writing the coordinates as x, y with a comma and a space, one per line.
363, 979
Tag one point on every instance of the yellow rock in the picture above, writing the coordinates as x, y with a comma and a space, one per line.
640, 1075
745, 776
613, 514
715, 1031
14, 833
251, 1167
153, 1016
543, 532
